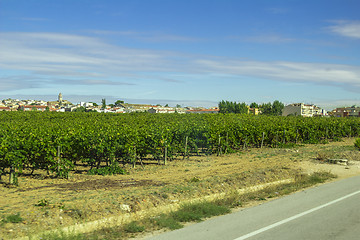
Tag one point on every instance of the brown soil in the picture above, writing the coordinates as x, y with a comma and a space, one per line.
83, 198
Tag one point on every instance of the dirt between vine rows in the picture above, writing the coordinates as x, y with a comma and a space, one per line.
46, 203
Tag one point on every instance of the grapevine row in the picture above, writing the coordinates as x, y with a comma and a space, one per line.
58, 141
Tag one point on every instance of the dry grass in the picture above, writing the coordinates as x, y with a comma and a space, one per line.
85, 198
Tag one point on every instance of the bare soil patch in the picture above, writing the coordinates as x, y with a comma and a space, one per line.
83, 198
95, 185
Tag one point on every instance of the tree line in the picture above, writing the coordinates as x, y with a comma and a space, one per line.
272, 109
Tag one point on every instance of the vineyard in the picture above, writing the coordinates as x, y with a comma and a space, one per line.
57, 142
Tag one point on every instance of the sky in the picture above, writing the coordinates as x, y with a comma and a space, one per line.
188, 52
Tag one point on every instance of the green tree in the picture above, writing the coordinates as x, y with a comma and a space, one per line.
266, 108
232, 107
103, 103
241, 108
277, 108
254, 105
119, 102
223, 108
80, 109
274, 109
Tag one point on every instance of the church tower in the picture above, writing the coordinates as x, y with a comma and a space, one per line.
60, 99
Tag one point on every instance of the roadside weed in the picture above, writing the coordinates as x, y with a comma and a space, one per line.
13, 218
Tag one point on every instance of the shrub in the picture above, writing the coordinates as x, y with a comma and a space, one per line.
43, 203
134, 227
166, 221
107, 170
357, 143
198, 211
194, 179
323, 156
14, 218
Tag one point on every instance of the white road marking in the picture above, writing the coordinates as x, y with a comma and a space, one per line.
294, 217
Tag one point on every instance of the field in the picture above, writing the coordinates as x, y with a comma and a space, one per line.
43, 201
46, 203
58, 142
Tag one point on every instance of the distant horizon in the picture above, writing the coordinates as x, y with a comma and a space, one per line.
76, 99
190, 52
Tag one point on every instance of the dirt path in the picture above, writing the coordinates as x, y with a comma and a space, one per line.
338, 150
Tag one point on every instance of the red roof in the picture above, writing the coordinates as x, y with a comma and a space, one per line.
204, 110
33, 106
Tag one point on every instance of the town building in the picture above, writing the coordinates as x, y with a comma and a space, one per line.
253, 111
32, 108
60, 98
346, 112
59, 103
203, 110
304, 110
4, 108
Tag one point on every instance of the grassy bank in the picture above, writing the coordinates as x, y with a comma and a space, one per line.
86, 203
196, 212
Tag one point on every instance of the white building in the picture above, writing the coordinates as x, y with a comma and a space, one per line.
301, 109
86, 104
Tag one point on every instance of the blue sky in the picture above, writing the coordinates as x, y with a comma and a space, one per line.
193, 53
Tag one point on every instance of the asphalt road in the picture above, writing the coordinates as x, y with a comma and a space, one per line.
329, 211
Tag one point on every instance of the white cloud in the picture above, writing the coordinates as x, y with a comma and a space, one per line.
349, 29
265, 38
28, 82
18, 82
337, 74
147, 36
85, 60
47, 52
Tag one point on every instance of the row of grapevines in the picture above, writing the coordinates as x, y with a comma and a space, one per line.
57, 141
